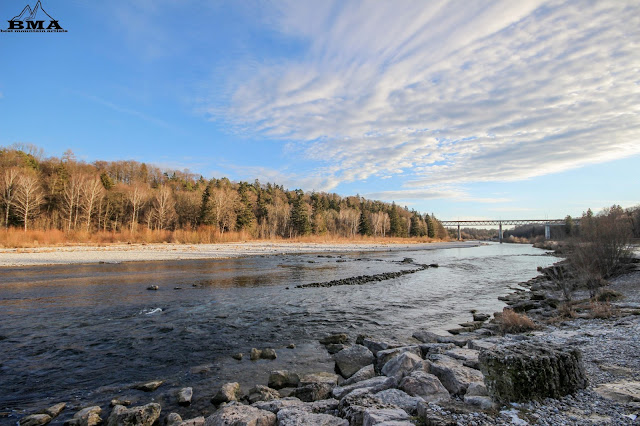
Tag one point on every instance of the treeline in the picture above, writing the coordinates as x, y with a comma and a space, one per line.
114, 196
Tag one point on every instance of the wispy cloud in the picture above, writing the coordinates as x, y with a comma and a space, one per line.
446, 192
449, 92
128, 111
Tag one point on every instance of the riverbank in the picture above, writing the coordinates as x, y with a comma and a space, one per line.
119, 253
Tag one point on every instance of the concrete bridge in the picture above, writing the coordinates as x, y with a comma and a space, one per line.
548, 223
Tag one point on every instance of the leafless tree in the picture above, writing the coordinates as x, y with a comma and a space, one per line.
163, 207
8, 184
136, 195
29, 197
92, 193
71, 199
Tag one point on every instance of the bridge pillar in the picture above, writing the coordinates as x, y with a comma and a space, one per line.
547, 232
500, 232
459, 238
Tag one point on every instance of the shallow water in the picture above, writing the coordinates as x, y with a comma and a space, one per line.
83, 334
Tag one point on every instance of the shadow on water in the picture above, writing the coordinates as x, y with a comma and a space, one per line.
83, 334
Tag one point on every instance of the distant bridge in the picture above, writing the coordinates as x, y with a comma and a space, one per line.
548, 223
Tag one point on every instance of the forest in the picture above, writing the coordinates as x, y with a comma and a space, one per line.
65, 196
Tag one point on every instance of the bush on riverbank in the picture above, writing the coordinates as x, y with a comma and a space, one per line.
512, 322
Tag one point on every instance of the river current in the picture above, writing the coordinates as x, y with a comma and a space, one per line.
82, 334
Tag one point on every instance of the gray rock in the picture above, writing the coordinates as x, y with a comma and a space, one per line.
297, 417
353, 406
481, 317
424, 385
148, 386
469, 357
433, 418
374, 384
453, 375
375, 346
482, 402
313, 392
173, 419
334, 348
382, 415
352, 359
227, 393
276, 405
364, 373
335, 339
401, 365
532, 370
435, 348
184, 396
321, 377
477, 389
241, 415
268, 353
483, 344
430, 337
262, 393
118, 401
403, 400
382, 357
238, 356
279, 379
89, 416
35, 420
55, 410
325, 406
623, 391
255, 354
144, 415
197, 421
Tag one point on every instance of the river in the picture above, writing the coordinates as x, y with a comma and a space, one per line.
83, 334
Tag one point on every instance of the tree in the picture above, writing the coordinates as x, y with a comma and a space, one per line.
163, 207
29, 197
8, 184
431, 228
300, 223
136, 195
364, 225
92, 193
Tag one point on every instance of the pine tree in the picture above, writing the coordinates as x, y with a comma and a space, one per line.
431, 230
299, 216
395, 227
364, 227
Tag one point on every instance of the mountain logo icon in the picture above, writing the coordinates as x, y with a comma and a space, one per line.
34, 20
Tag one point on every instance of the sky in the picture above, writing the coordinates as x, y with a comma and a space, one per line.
469, 110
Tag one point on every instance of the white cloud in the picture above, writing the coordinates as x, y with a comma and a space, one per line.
432, 193
449, 92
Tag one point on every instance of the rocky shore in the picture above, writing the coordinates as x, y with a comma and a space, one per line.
572, 366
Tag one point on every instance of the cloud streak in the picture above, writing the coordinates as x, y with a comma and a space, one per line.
451, 93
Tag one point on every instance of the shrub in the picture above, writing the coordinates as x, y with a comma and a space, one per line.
513, 322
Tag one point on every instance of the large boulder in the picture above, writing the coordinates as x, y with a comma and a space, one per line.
353, 406
374, 384
379, 416
144, 415
55, 410
35, 420
279, 379
382, 357
401, 365
89, 416
276, 405
227, 393
528, 370
364, 373
241, 415
298, 417
375, 345
424, 385
262, 393
469, 357
313, 391
403, 400
454, 376
352, 359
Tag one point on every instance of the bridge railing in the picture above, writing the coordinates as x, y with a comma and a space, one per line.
548, 223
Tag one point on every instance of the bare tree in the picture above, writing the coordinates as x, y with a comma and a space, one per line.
163, 207
71, 199
29, 197
224, 207
136, 196
8, 184
92, 193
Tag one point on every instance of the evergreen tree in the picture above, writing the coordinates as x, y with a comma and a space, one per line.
431, 229
246, 218
395, 227
364, 226
299, 216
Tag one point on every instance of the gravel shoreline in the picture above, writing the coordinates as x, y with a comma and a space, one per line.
68, 255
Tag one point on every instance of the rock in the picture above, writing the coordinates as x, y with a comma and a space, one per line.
291, 346
184, 396
374, 385
54, 410
364, 373
477, 389
35, 420
89, 416
532, 370
227, 393
435, 348
279, 379
433, 418
153, 287
276, 405
481, 317
424, 385
144, 415
117, 401
352, 359
241, 415
382, 415
313, 392
469, 357
198, 421
238, 356
353, 406
173, 419
624, 391
321, 377
297, 417
325, 406
403, 400
148, 386
482, 344
334, 348
255, 354
262, 393
429, 337
453, 375
375, 346
382, 357
401, 365
482, 402
335, 339
268, 353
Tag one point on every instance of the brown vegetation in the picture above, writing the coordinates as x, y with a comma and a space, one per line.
513, 322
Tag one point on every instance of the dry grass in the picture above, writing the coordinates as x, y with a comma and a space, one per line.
513, 322
602, 310
17, 238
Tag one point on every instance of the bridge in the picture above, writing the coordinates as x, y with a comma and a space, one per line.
548, 223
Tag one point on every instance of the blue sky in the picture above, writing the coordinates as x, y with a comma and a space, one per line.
483, 109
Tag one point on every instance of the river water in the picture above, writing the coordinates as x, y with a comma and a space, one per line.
83, 334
